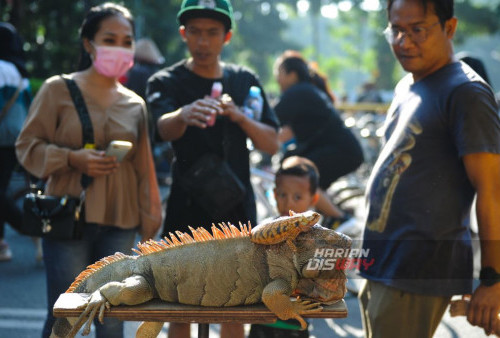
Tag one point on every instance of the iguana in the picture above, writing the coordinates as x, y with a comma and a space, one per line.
224, 268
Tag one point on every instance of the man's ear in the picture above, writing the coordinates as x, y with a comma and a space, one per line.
228, 36
182, 32
451, 27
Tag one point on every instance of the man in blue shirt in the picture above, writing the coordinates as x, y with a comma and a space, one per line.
442, 146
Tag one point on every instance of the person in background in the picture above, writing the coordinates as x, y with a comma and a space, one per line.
15, 99
369, 93
296, 189
179, 99
123, 198
147, 61
476, 64
442, 146
306, 112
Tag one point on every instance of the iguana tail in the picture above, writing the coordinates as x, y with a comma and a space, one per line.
112, 268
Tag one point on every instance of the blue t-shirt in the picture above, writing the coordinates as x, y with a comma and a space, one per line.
419, 195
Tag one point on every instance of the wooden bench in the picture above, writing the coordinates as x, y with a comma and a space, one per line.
158, 311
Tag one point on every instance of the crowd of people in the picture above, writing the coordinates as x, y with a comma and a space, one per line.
442, 147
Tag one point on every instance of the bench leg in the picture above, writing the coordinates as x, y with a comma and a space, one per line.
203, 330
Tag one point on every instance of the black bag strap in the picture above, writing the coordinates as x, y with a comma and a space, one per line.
83, 114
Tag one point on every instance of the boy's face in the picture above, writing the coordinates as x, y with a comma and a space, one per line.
293, 193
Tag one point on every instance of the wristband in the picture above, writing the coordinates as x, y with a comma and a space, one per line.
489, 276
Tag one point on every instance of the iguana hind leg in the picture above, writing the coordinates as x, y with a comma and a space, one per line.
276, 296
131, 291
149, 330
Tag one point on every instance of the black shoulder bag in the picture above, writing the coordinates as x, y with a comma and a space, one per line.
63, 217
211, 183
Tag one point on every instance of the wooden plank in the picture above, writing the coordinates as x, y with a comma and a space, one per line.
71, 304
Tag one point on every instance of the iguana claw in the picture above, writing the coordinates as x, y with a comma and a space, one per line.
97, 302
301, 307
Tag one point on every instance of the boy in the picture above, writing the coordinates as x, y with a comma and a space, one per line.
296, 185
296, 189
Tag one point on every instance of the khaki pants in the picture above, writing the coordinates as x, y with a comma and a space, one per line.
388, 312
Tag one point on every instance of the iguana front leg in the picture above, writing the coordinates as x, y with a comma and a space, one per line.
131, 291
276, 296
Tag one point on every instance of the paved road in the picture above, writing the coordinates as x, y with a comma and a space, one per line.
23, 303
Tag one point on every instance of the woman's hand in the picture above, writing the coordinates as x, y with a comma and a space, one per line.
92, 162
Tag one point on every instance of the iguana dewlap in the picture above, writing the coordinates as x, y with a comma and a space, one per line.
222, 269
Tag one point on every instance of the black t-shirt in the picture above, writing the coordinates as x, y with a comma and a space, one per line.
137, 77
319, 131
307, 110
176, 86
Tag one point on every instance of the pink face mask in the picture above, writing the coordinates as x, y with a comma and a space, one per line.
113, 61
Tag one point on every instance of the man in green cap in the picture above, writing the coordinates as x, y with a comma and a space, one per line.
197, 121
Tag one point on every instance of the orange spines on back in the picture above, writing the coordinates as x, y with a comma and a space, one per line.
91, 269
224, 231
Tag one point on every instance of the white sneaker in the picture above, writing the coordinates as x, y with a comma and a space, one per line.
5, 253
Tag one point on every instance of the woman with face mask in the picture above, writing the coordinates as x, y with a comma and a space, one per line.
123, 197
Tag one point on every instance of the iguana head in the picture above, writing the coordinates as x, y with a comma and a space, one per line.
317, 251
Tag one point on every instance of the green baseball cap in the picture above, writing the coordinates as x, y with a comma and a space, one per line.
220, 10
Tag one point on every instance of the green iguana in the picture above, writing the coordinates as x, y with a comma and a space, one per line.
225, 268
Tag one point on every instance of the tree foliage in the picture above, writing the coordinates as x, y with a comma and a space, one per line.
50, 29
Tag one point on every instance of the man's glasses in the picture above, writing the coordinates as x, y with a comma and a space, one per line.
417, 34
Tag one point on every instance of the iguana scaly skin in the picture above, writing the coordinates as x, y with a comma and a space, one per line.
284, 228
224, 268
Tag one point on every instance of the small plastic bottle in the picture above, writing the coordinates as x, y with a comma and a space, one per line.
254, 103
216, 90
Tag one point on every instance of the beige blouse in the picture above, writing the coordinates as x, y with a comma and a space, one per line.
129, 197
